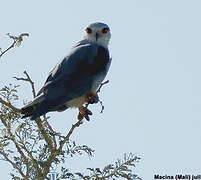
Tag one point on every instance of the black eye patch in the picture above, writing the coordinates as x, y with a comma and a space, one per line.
89, 30
105, 30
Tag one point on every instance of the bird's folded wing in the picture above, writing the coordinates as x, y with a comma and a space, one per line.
73, 76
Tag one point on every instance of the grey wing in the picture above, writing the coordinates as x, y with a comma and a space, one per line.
74, 75
68, 67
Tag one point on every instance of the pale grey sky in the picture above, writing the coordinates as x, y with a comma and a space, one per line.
153, 101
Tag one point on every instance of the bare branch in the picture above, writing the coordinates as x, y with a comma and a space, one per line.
21, 79
32, 84
10, 47
77, 124
44, 134
28, 79
101, 103
102, 86
58, 151
102, 107
53, 133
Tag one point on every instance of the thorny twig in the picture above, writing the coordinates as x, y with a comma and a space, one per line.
105, 82
101, 103
17, 40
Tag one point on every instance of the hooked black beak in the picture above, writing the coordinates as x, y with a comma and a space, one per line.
97, 36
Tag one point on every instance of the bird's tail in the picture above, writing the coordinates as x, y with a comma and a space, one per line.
32, 109
28, 110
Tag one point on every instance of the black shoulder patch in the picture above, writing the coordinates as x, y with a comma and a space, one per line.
99, 64
101, 60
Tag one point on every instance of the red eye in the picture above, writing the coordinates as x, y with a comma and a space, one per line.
88, 30
105, 30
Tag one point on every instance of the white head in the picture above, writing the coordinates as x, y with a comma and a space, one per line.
98, 33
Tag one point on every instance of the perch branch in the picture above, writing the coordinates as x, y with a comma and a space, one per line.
77, 124
59, 150
10, 47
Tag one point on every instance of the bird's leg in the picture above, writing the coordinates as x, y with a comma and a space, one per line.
84, 113
92, 98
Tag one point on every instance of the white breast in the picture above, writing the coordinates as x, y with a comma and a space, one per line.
76, 102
